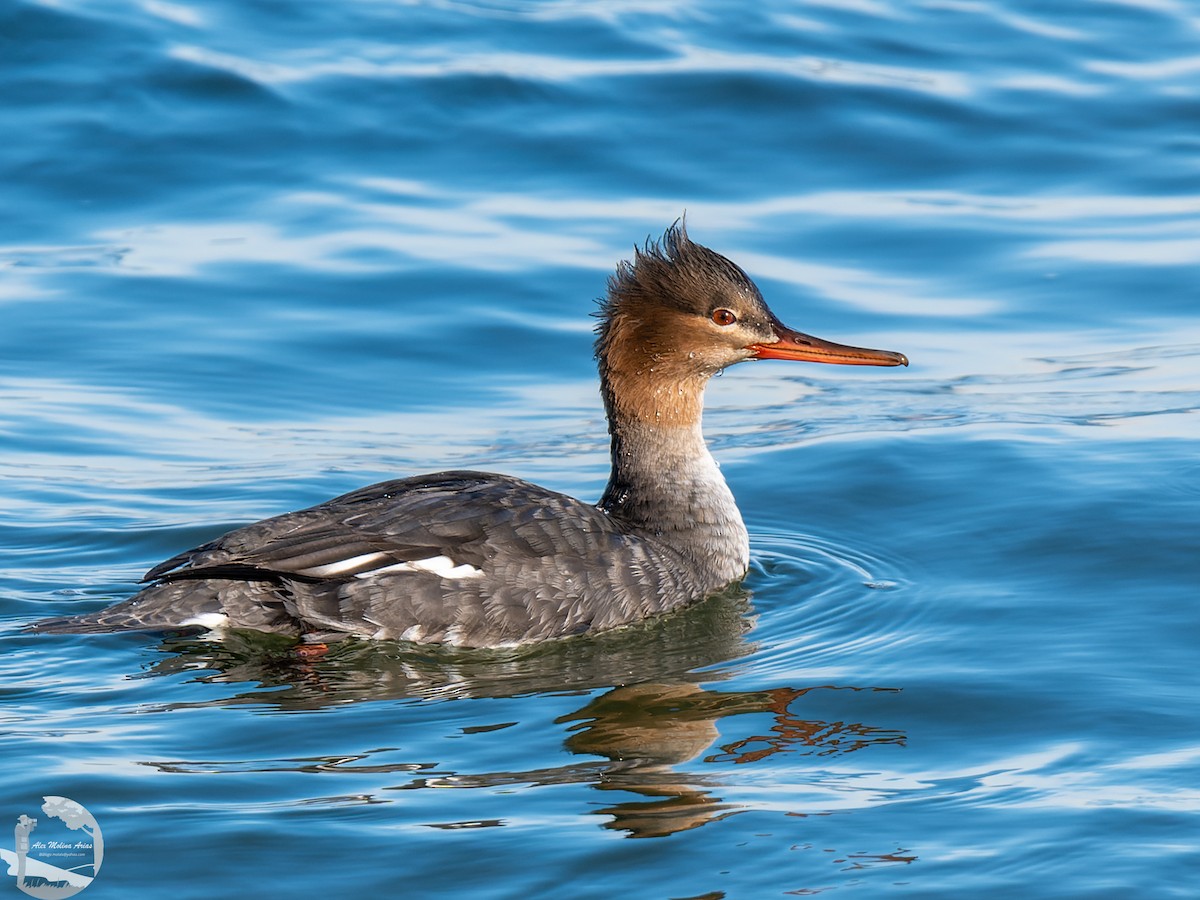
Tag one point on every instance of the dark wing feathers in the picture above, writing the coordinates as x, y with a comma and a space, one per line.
528, 564
404, 520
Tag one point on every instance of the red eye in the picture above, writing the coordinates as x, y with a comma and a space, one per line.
724, 317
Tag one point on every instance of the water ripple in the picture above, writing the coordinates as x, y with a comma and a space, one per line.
826, 601
686, 60
256, 254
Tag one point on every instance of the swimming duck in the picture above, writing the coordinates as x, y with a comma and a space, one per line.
474, 559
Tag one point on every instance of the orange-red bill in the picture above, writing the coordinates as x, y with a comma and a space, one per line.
806, 348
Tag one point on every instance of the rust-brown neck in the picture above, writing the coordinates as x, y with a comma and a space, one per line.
645, 379
664, 481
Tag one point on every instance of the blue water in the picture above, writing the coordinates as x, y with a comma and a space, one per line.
254, 254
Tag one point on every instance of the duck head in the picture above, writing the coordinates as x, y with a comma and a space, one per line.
679, 313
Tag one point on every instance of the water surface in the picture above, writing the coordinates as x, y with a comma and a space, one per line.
256, 254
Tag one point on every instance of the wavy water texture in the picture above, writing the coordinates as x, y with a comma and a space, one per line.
253, 255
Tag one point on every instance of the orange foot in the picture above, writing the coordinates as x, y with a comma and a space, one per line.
312, 651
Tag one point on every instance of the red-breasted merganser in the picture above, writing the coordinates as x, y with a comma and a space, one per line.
473, 559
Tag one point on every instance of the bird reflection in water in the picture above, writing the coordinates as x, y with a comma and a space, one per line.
649, 728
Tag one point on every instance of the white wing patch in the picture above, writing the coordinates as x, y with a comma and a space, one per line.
368, 565
213, 621
442, 566
343, 565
